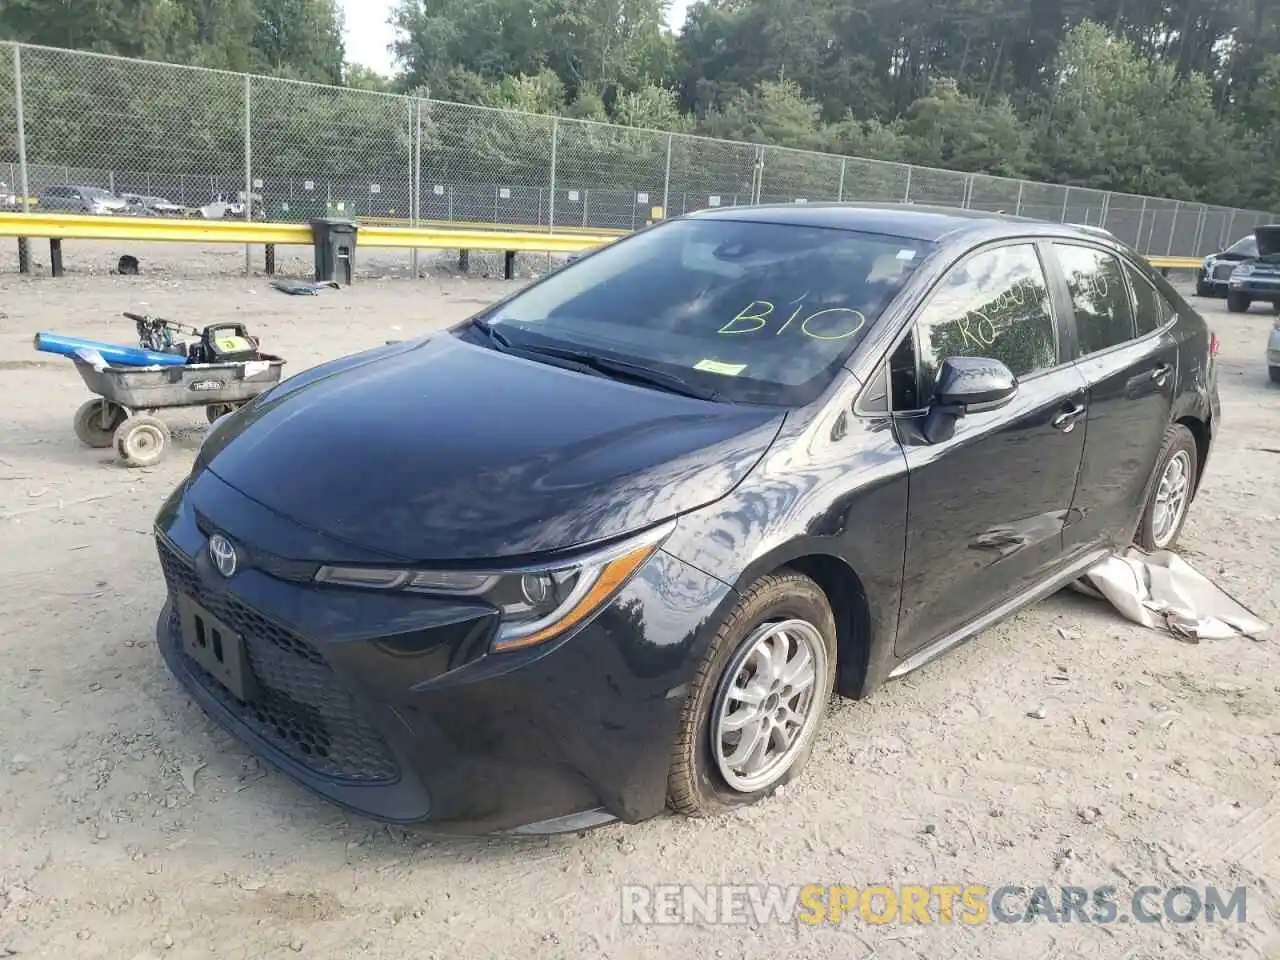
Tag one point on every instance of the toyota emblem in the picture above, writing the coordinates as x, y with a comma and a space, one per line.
223, 555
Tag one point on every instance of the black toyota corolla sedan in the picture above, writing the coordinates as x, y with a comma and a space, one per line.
607, 547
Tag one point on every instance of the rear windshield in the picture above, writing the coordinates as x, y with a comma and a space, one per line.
758, 312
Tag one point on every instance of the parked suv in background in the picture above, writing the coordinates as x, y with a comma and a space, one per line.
1259, 277
81, 200
1216, 269
609, 545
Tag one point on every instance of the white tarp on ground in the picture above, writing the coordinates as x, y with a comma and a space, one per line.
1161, 590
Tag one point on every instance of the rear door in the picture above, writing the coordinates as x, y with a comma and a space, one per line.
1128, 358
986, 507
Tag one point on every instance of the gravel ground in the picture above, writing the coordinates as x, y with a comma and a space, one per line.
1062, 747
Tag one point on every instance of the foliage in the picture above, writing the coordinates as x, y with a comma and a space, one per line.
1179, 98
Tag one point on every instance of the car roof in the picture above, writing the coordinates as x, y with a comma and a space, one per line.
913, 221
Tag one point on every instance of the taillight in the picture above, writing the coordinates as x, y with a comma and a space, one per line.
1213, 344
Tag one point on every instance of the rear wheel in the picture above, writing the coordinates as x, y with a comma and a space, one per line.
1238, 302
1175, 481
761, 690
96, 422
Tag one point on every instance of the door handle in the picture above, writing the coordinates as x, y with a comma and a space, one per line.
1066, 421
1161, 373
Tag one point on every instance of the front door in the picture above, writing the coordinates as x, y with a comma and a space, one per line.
1129, 360
987, 506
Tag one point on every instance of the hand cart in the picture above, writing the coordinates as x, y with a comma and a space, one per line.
127, 398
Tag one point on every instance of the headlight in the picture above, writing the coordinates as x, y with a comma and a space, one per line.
536, 604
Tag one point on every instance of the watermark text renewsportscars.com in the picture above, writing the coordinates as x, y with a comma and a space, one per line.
935, 904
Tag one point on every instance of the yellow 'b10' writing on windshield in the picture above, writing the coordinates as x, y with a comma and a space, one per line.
831, 323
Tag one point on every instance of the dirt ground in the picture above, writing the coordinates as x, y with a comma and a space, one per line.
1062, 747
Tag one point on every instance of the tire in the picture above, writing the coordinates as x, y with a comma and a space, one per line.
141, 441
1155, 532
697, 784
216, 411
1238, 302
1275, 374
96, 422
1203, 289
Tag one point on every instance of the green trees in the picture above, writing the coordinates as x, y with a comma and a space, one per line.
298, 38
1179, 98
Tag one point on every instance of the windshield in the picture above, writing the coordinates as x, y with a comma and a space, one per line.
1246, 247
754, 312
97, 193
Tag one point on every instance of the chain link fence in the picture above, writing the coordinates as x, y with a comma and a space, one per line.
220, 144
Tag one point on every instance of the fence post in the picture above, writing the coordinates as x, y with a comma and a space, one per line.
248, 168
1066, 199
1200, 218
555, 150
1231, 223
24, 254
906, 194
844, 165
666, 180
416, 187
1173, 225
1017, 207
968, 193
1106, 210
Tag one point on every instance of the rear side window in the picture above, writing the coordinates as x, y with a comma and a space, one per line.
995, 304
1104, 315
1151, 310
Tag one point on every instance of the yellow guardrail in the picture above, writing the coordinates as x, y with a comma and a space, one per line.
425, 237
68, 227
1175, 263
484, 225
58, 226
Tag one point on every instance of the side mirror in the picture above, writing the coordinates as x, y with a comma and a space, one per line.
966, 385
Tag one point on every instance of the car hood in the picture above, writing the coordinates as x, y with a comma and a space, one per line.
439, 450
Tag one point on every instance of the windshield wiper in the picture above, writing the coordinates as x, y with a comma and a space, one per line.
590, 362
626, 370
491, 333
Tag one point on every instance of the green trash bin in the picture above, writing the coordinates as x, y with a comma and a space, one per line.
335, 243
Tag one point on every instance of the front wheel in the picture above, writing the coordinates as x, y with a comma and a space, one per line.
1238, 302
1275, 374
1203, 289
141, 441
1174, 484
757, 701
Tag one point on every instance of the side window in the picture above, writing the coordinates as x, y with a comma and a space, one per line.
995, 304
1104, 315
1151, 310
902, 376
875, 399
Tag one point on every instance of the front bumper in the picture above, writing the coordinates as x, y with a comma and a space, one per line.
389, 705
1258, 288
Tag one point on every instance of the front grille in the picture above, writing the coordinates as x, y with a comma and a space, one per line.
1223, 271
299, 707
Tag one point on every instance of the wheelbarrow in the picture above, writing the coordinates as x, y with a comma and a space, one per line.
123, 412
